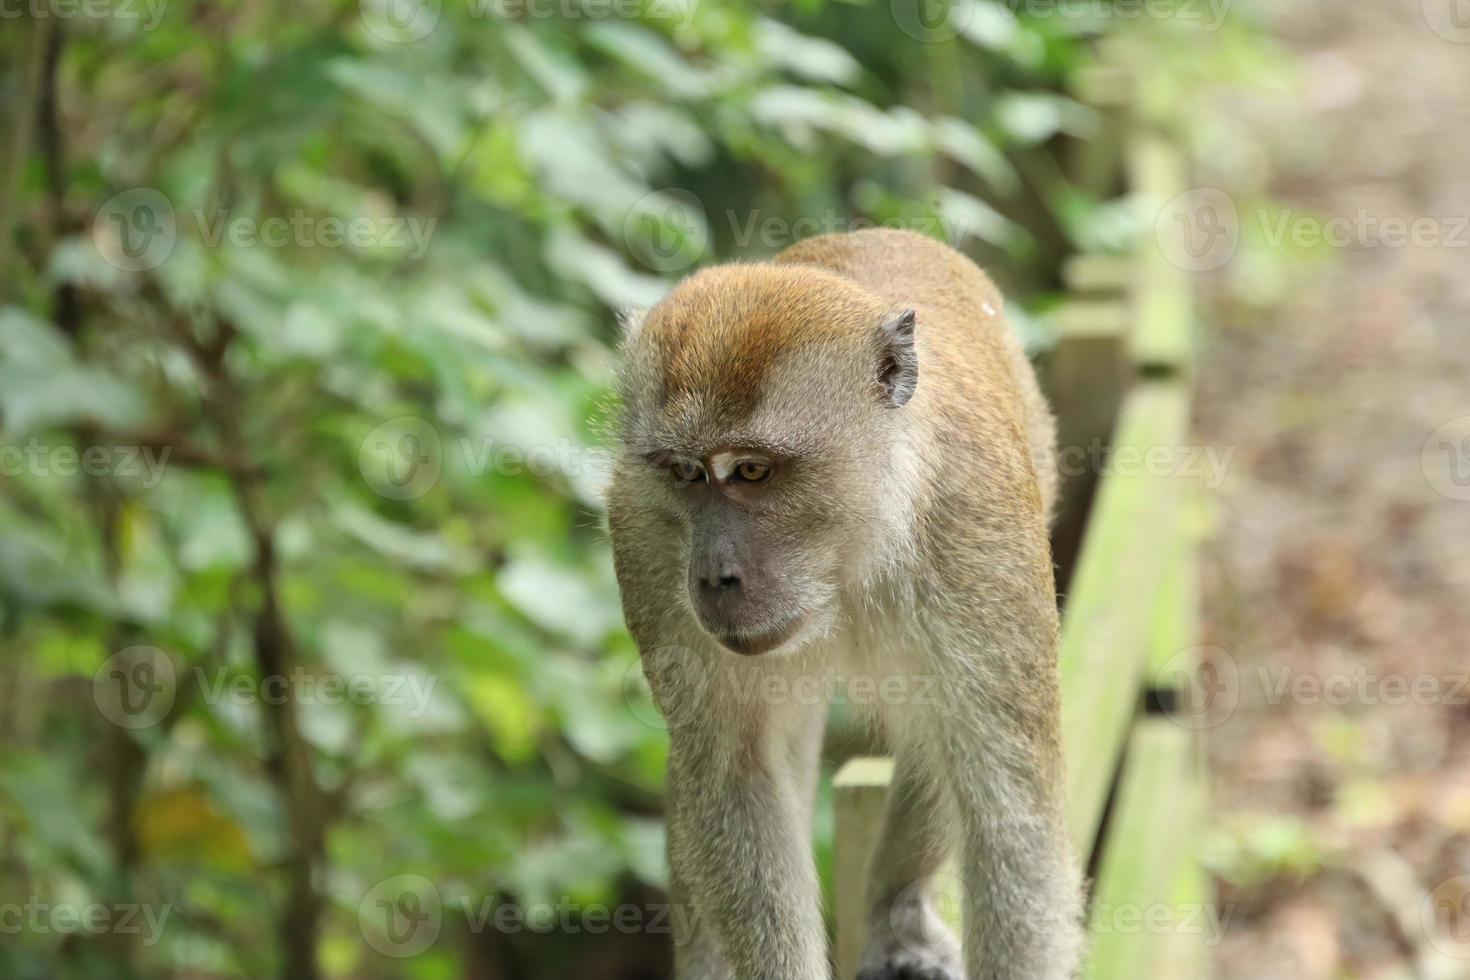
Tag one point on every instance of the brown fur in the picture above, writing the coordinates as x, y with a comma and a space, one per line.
973, 350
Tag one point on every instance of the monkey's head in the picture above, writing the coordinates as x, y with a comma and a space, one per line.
765, 434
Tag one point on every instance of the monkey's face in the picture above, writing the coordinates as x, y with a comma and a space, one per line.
757, 575
764, 420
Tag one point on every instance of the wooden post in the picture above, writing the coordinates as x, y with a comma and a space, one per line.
860, 799
1084, 380
1162, 341
1096, 164
1088, 371
1099, 275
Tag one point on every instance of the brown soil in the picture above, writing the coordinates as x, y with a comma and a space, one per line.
1339, 550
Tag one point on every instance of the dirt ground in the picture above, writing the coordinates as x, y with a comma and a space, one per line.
1337, 580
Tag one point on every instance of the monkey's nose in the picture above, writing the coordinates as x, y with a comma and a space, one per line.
720, 584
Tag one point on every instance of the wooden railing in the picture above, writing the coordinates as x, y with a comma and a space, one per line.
1120, 376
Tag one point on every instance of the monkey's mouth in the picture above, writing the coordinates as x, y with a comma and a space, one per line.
754, 643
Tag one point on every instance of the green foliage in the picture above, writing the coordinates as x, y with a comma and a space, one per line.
329, 304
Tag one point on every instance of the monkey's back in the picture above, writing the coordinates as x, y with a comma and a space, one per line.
966, 345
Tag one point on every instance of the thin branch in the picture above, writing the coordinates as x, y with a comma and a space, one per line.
27, 88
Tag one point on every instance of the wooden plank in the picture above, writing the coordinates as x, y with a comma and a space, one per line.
1105, 626
1175, 629
1099, 275
860, 799
1173, 665
1162, 340
1185, 952
1135, 919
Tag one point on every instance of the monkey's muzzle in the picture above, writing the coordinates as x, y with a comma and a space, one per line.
756, 643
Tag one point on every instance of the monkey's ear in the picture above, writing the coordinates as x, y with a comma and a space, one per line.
898, 367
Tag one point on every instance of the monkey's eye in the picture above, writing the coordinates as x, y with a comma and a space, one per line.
686, 471
751, 471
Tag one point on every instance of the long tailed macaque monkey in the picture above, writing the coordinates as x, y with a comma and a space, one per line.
839, 464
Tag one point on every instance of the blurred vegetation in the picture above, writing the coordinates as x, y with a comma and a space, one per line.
522, 171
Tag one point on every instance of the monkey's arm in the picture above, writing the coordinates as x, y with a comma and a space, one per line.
739, 846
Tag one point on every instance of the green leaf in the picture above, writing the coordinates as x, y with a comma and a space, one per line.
563, 601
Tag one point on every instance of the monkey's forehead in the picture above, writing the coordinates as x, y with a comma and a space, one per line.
725, 335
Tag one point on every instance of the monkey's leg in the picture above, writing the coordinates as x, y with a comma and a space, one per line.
741, 844
906, 936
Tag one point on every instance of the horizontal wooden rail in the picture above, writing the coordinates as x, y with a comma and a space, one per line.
1134, 919
1105, 629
